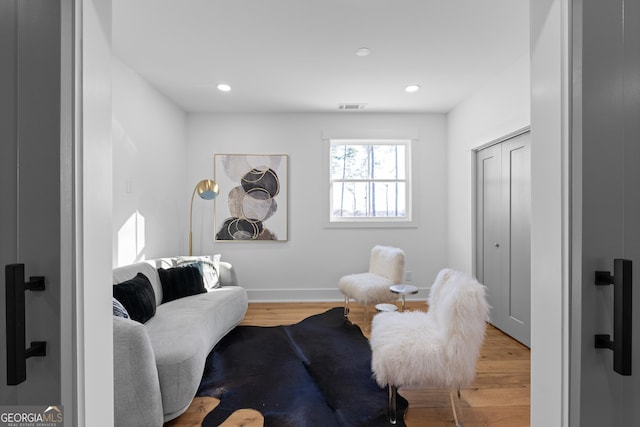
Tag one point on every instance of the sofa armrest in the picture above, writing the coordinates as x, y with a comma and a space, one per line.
227, 274
137, 398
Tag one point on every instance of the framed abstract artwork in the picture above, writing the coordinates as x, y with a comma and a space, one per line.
252, 205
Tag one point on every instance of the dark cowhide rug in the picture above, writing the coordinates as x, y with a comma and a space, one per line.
314, 373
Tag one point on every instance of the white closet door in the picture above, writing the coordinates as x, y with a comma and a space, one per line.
503, 251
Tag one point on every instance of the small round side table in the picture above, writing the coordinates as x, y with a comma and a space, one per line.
403, 291
383, 308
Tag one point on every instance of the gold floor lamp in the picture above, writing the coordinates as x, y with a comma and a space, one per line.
207, 189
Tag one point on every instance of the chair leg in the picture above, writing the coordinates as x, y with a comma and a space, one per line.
455, 402
393, 398
346, 306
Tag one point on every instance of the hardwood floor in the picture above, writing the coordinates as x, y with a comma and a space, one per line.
499, 397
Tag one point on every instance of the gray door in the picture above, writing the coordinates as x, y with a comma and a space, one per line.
489, 234
606, 207
503, 227
30, 127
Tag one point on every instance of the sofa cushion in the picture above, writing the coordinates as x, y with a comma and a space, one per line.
182, 334
180, 282
137, 297
138, 403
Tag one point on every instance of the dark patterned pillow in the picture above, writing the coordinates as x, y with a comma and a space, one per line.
119, 310
179, 282
137, 297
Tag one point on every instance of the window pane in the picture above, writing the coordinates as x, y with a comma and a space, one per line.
364, 161
368, 199
349, 162
389, 161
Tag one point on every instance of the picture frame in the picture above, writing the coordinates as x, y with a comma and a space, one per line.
253, 201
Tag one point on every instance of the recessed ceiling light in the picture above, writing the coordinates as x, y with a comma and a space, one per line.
412, 88
223, 87
363, 51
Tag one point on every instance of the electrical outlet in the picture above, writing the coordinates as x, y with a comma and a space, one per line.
408, 276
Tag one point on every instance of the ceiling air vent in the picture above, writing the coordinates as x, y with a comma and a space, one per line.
351, 107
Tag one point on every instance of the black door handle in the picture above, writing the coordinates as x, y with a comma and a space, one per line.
17, 355
622, 314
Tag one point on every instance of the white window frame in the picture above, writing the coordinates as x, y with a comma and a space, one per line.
370, 222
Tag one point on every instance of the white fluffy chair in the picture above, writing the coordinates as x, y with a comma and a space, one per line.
386, 268
439, 348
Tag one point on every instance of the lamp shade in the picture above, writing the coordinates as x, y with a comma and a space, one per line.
207, 189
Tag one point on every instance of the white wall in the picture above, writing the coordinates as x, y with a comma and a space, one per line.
149, 170
308, 265
498, 108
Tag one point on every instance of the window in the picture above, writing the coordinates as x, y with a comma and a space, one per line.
369, 181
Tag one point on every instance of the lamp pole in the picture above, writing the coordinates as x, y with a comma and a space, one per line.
207, 189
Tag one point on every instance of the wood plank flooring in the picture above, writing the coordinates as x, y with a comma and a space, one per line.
498, 398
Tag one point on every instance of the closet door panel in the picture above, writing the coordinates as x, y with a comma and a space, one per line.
489, 227
517, 181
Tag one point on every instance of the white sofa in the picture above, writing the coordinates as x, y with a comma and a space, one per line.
158, 365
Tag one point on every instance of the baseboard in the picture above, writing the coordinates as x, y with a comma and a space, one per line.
312, 295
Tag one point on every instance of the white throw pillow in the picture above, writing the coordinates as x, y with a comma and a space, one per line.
210, 266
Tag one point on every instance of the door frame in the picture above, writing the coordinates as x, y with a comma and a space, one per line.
551, 105
68, 328
88, 394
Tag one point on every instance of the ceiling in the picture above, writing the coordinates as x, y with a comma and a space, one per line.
300, 55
